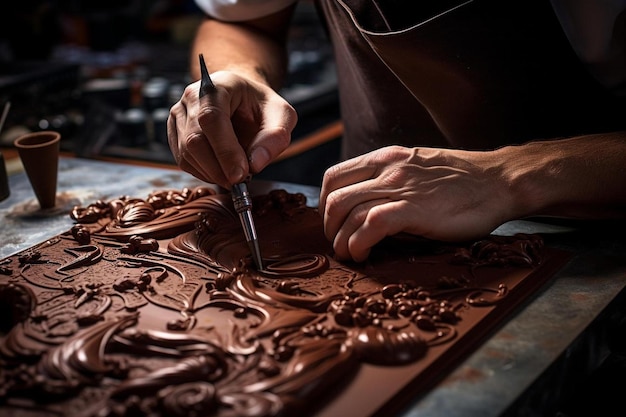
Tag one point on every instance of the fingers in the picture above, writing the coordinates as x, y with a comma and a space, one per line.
177, 112
255, 131
200, 157
366, 225
220, 147
352, 171
236, 130
192, 152
356, 181
279, 121
447, 195
341, 203
359, 215
365, 199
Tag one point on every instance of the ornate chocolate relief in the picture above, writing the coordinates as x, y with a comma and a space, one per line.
153, 307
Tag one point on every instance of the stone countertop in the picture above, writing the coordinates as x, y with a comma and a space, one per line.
526, 367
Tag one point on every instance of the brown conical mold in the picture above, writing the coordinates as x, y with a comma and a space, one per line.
39, 152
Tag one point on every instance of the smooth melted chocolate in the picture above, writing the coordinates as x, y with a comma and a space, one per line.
153, 307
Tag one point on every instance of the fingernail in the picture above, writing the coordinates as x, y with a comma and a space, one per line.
259, 157
235, 175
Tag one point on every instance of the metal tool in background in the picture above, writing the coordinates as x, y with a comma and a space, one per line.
241, 197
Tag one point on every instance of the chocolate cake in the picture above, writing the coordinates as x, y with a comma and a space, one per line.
153, 307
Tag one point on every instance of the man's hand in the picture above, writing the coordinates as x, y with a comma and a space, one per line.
234, 131
439, 194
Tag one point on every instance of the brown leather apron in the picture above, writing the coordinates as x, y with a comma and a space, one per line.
466, 74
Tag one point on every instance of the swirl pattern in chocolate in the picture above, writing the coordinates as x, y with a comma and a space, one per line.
153, 307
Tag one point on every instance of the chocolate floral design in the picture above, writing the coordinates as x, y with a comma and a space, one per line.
153, 307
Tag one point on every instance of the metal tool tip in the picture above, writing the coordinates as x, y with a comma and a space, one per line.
256, 254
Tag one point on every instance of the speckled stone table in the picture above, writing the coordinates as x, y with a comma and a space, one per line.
528, 366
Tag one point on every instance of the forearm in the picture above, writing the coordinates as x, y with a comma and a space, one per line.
240, 48
581, 177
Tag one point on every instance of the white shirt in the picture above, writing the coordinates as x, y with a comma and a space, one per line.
239, 10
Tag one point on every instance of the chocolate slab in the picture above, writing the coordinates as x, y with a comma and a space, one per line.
153, 307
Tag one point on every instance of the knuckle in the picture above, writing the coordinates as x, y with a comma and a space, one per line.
176, 108
282, 137
358, 217
333, 203
209, 114
375, 218
332, 172
195, 141
190, 92
394, 179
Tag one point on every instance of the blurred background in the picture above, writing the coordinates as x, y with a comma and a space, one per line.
105, 73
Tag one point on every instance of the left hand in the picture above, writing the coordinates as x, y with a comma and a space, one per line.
440, 194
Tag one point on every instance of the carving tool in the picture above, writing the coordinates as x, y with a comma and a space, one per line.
241, 197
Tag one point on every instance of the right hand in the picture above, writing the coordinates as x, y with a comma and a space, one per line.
230, 133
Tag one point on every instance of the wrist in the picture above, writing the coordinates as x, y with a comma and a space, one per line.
533, 172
